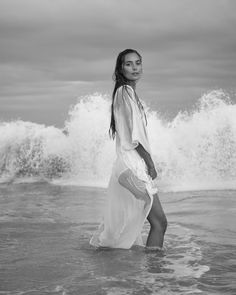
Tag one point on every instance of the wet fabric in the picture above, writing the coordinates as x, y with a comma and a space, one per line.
130, 190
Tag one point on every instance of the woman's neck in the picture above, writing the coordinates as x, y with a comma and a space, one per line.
132, 84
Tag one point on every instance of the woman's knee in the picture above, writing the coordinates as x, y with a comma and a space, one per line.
164, 223
158, 221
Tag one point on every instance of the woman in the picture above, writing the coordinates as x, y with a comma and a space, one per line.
132, 193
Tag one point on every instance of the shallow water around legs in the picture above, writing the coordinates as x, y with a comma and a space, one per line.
44, 245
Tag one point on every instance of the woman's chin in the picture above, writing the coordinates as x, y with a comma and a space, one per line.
134, 78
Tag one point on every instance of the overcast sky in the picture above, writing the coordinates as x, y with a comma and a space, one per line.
53, 51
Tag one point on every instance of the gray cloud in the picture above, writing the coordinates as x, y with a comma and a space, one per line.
188, 46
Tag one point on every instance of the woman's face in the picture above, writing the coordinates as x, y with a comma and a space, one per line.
132, 67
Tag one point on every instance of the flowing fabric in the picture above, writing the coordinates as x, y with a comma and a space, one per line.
130, 189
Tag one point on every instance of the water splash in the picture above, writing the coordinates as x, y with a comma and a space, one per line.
196, 150
29, 150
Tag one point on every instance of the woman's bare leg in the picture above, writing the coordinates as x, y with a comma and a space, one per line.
156, 217
158, 223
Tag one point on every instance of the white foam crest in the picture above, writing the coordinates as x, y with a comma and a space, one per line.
196, 150
92, 150
29, 149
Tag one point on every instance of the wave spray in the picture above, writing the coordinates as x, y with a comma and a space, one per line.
196, 150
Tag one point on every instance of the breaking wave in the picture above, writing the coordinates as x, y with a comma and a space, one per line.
196, 150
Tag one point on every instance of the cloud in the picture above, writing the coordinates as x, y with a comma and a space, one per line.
185, 44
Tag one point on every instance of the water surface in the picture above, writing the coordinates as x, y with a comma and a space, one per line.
45, 230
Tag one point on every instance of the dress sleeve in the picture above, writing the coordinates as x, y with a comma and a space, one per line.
129, 123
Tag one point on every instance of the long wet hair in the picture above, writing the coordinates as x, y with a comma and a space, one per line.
120, 80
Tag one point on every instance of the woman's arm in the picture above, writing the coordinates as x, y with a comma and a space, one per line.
129, 128
148, 160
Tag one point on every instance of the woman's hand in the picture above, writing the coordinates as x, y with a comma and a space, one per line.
152, 172
148, 161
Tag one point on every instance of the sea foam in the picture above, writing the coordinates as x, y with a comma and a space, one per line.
196, 150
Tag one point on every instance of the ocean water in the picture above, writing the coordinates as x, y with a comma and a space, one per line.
45, 231
53, 187
196, 150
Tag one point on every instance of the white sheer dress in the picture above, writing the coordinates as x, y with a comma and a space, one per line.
130, 189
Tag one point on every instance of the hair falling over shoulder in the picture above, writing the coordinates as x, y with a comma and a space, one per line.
119, 80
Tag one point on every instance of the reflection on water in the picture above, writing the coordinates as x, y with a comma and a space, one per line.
45, 231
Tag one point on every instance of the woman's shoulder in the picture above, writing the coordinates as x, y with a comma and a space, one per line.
125, 91
126, 87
